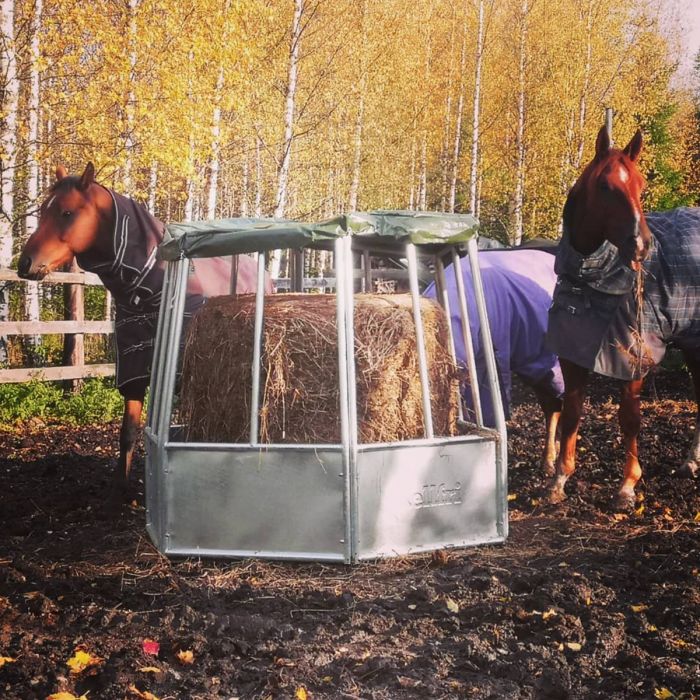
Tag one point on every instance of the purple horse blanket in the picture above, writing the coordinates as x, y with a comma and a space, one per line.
595, 321
518, 287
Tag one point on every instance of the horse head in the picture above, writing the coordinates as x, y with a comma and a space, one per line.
605, 203
69, 220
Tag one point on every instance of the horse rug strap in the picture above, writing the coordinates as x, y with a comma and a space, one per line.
134, 275
594, 320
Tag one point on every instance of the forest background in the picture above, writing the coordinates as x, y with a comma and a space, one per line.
308, 108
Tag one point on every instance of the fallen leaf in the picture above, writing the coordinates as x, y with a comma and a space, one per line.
639, 511
452, 606
144, 694
67, 696
301, 693
151, 647
185, 657
663, 693
150, 669
412, 606
639, 608
6, 660
512, 496
549, 613
574, 646
534, 502
287, 663
81, 660
697, 517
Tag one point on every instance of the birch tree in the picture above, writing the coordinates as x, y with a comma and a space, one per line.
474, 174
8, 142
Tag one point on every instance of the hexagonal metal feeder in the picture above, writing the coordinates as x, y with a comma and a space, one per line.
326, 502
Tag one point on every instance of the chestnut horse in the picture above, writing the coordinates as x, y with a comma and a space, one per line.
627, 286
117, 239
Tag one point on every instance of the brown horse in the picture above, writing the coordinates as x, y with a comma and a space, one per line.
627, 286
117, 239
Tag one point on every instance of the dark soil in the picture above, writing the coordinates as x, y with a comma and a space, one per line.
581, 602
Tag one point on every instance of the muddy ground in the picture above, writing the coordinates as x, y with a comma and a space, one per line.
581, 602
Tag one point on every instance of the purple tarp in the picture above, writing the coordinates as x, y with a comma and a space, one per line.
518, 286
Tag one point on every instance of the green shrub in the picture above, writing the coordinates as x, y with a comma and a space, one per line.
97, 401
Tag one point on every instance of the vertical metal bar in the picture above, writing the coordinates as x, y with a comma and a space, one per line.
173, 349
352, 395
502, 462
491, 369
233, 283
441, 284
420, 340
160, 346
467, 336
340, 292
257, 351
367, 267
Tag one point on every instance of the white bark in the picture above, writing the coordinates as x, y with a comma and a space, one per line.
8, 143
520, 134
359, 119
245, 183
583, 105
474, 175
152, 187
31, 295
448, 119
131, 99
258, 176
214, 161
458, 127
292, 76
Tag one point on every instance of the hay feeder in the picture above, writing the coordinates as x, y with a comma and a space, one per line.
344, 500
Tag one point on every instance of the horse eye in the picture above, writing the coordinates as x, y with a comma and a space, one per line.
66, 214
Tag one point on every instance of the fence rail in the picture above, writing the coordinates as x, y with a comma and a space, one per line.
77, 327
71, 328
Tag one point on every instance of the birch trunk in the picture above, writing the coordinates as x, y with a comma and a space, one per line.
31, 298
245, 184
359, 120
258, 176
215, 162
474, 177
448, 120
458, 126
152, 187
583, 105
520, 134
283, 175
8, 142
131, 99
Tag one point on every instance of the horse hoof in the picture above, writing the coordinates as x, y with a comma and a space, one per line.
556, 495
626, 501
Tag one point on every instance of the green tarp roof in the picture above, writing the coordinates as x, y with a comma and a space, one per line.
384, 229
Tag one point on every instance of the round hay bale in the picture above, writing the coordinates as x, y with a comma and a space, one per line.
299, 376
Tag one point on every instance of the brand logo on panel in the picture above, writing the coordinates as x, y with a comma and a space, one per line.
433, 495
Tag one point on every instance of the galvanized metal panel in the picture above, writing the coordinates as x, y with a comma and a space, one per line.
244, 501
154, 476
422, 497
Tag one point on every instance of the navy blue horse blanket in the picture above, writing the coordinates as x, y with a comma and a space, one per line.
518, 287
595, 321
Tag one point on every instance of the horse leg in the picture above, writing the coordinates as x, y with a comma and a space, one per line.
551, 407
131, 424
630, 420
691, 468
575, 379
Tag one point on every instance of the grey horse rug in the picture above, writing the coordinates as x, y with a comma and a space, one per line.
595, 320
134, 275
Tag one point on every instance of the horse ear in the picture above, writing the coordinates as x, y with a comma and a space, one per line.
61, 172
634, 147
88, 176
602, 143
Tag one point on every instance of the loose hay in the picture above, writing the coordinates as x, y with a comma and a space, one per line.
299, 379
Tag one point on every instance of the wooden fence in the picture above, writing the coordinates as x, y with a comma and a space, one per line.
74, 328
374, 279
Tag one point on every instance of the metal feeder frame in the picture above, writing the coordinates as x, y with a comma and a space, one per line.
342, 502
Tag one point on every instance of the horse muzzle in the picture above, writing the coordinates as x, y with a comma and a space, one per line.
28, 271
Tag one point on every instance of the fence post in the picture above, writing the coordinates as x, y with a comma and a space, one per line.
74, 310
